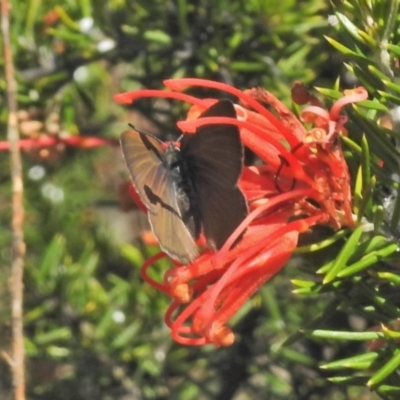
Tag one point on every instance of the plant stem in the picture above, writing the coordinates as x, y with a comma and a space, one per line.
18, 244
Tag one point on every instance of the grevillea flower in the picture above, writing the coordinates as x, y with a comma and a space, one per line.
302, 181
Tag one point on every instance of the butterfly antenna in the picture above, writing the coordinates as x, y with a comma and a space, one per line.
139, 130
145, 133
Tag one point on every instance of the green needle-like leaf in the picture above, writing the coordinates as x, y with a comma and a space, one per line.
361, 362
350, 27
394, 48
344, 255
341, 335
389, 276
392, 365
345, 50
369, 260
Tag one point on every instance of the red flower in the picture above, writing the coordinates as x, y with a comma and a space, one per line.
302, 182
86, 142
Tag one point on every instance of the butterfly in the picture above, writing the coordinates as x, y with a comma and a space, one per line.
190, 186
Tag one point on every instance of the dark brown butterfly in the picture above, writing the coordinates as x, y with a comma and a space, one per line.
192, 187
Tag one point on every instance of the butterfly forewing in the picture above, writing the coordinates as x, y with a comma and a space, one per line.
214, 157
215, 152
144, 156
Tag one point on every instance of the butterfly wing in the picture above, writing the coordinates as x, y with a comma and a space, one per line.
144, 157
214, 156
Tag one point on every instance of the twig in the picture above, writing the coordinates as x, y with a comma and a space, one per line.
7, 358
18, 245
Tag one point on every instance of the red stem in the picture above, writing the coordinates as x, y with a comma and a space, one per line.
75, 141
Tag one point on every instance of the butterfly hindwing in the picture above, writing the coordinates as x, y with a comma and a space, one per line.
224, 209
165, 218
144, 156
214, 157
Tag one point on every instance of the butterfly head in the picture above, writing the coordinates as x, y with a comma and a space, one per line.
172, 142
172, 156
171, 145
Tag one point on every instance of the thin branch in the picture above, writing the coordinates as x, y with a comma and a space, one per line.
18, 244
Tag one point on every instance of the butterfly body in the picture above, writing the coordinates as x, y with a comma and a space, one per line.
190, 186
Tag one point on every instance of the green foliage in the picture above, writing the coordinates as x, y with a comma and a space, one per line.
363, 276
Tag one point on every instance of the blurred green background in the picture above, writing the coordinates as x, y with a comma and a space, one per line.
94, 329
